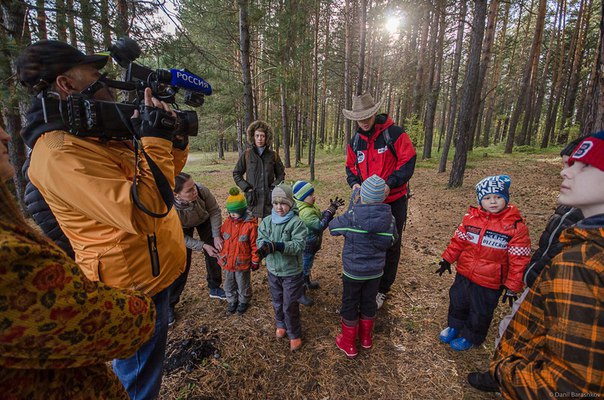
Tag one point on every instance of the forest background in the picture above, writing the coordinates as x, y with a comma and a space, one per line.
518, 74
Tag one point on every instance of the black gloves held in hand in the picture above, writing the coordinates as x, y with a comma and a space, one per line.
254, 266
180, 141
509, 295
444, 266
334, 204
154, 122
269, 247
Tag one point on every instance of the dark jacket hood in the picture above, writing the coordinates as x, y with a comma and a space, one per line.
382, 121
35, 124
374, 218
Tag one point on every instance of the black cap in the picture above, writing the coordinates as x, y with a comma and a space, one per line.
41, 62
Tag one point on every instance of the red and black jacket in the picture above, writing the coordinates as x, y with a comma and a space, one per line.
374, 157
491, 250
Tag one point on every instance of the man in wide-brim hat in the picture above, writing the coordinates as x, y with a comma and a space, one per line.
382, 148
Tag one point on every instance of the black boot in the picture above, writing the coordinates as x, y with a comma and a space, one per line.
483, 381
304, 299
309, 284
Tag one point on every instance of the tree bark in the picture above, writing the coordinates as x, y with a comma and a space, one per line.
244, 54
442, 166
468, 95
594, 117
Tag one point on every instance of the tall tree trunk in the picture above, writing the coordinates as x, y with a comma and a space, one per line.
528, 81
442, 166
312, 143
438, 48
61, 21
121, 18
594, 117
420, 79
347, 57
244, 54
556, 85
71, 25
104, 21
362, 39
41, 20
12, 18
495, 76
468, 94
575, 72
484, 65
284, 125
87, 16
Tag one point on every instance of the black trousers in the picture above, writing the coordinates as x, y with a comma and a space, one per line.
393, 255
214, 273
358, 297
471, 308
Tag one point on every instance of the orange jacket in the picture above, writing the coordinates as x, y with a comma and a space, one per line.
491, 250
239, 248
87, 185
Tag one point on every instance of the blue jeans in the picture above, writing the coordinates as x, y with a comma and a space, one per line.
141, 374
307, 261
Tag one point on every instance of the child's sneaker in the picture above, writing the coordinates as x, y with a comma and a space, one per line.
461, 344
280, 333
306, 301
217, 293
242, 308
448, 334
232, 307
380, 299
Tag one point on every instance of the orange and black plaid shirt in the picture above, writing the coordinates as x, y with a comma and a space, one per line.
554, 346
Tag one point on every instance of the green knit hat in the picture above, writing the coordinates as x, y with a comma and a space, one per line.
236, 202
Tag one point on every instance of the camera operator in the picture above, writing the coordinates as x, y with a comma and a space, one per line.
87, 183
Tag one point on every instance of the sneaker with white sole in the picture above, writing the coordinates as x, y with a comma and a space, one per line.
217, 293
380, 299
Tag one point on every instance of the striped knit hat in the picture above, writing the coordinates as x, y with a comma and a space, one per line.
236, 202
302, 190
499, 185
373, 190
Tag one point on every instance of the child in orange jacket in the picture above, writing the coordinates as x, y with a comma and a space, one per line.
238, 255
492, 248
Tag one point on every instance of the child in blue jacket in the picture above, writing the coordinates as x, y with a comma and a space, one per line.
369, 230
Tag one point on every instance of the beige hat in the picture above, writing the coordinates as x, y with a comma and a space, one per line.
363, 107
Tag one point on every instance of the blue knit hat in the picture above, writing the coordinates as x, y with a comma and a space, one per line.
302, 190
373, 190
499, 185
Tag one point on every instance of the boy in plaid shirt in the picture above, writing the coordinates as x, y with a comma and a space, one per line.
554, 344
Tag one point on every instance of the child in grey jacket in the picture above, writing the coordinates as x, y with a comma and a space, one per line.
281, 239
369, 230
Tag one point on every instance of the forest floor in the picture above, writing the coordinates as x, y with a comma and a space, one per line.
238, 357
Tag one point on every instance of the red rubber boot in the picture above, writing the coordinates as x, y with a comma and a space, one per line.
346, 341
366, 333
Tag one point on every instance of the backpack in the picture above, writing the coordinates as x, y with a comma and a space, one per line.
389, 143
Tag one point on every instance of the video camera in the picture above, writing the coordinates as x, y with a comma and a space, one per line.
91, 117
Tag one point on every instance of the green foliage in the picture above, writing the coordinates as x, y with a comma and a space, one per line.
415, 129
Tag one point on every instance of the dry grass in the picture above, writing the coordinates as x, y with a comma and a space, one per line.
407, 361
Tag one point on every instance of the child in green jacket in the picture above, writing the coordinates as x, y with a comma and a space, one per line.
281, 239
316, 222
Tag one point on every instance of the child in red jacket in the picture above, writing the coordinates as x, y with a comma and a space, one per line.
238, 254
492, 248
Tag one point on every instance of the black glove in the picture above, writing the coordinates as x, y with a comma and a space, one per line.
180, 144
250, 197
334, 204
154, 122
269, 247
255, 266
444, 266
509, 295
